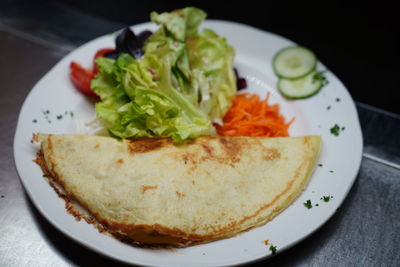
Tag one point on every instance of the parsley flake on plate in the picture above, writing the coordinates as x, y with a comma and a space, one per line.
326, 198
335, 130
308, 204
273, 249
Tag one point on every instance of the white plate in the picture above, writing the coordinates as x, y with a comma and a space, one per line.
340, 157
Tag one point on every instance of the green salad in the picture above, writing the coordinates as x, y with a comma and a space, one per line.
181, 84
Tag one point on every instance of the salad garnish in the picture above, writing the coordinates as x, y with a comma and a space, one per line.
182, 83
176, 82
241, 82
296, 68
251, 116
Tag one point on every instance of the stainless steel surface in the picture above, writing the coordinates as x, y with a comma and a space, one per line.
54, 22
365, 231
21, 241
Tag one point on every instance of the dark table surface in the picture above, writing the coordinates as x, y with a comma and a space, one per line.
365, 231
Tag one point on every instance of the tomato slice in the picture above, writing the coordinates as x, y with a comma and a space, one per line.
81, 78
100, 53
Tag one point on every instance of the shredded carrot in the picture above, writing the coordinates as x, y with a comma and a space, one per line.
251, 116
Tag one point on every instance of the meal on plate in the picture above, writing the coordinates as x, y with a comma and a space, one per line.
187, 159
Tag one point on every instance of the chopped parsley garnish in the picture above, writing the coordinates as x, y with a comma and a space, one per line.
343, 128
328, 107
2, 196
317, 204
273, 249
335, 130
34, 121
338, 99
326, 198
319, 76
48, 118
331, 171
320, 165
308, 204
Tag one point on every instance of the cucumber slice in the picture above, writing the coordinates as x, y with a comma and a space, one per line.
301, 88
294, 62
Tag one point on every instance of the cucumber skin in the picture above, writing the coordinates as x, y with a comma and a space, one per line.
298, 97
298, 77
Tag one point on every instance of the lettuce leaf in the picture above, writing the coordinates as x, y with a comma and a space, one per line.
138, 100
211, 58
183, 82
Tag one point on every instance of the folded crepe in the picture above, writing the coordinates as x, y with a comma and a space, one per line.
153, 192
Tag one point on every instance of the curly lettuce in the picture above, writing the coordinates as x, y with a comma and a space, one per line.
181, 85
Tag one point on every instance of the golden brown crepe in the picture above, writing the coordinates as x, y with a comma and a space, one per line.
152, 191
